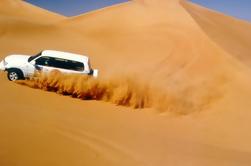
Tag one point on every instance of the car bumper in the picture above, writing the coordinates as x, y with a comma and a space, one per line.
2, 66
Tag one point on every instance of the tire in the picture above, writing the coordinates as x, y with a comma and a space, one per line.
15, 74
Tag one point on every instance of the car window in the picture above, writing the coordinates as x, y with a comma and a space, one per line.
60, 63
73, 65
44, 61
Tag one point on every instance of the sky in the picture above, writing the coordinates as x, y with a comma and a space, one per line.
237, 8
73, 7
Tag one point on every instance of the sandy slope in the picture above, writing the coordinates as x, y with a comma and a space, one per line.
165, 44
214, 24
18, 9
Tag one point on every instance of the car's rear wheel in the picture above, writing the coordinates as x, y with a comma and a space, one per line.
15, 74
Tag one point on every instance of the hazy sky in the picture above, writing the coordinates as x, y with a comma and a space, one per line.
237, 8
73, 7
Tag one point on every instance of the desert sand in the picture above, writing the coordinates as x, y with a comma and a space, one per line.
184, 67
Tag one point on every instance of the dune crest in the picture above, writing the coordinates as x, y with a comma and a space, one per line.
236, 34
19, 9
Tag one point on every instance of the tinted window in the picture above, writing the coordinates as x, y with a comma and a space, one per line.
60, 63
44, 61
73, 65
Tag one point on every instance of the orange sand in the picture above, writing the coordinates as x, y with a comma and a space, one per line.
192, 63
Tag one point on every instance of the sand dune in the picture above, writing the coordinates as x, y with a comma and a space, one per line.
238, 34
178, 62
18, 9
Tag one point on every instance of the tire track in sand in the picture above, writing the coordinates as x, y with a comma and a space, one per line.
107, 149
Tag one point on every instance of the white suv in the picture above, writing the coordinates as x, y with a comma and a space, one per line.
23, 66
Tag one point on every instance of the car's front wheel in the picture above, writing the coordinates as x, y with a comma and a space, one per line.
15, 74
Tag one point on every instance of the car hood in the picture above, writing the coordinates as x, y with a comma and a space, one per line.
17, 58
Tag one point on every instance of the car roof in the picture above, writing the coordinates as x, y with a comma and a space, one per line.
64, 55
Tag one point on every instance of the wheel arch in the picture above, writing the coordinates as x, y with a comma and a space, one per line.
15, 69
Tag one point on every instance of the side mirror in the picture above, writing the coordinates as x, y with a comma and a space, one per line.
33, 63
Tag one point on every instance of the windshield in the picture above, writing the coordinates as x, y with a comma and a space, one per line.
34, 57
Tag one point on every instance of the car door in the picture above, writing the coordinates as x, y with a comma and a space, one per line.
44, 64
29, 70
